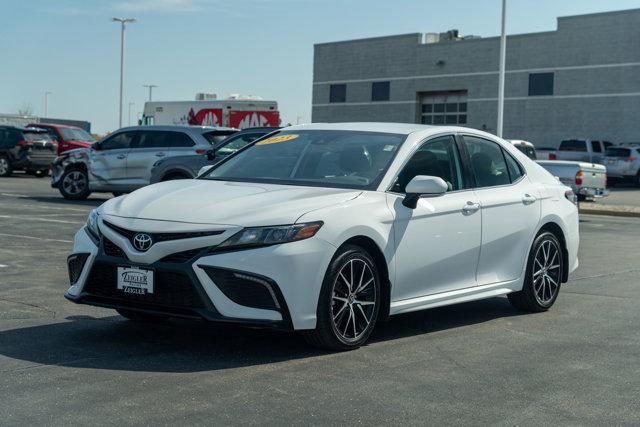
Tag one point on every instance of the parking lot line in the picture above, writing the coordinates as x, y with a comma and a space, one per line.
34, 238
22, 218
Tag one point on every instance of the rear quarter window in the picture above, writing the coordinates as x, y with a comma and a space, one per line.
36, 136
618, 152
573, 145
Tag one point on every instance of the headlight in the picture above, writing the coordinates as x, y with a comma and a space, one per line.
264, 236
92, 224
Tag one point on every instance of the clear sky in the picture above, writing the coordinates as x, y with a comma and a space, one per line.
251, 47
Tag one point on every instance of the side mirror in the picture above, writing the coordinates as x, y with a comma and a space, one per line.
211, 154
423, 185
203, 170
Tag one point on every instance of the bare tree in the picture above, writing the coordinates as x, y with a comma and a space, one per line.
25, 110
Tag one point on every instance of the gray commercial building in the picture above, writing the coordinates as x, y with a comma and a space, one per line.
582, 80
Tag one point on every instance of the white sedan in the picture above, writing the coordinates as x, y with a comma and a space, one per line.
330, 228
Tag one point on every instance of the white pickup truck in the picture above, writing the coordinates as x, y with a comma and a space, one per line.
588, 180
581, 150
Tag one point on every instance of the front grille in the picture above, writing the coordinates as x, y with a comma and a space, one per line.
163, 237
75, 264
112, 249
171, 289
181, 256
244, 288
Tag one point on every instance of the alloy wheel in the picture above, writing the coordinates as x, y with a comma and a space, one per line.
74, 183
4, 165
546, 272
353, 300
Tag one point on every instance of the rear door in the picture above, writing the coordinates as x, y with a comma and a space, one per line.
150, 146
108, 159
597, 151
510, 210
181, 144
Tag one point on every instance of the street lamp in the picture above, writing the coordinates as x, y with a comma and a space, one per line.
123, 22
46, 99
150, 89
130, 104
503, 48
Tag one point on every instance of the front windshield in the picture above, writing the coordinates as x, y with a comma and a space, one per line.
325, 158
70, 134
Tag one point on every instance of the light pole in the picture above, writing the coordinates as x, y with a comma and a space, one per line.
123, 22
130, 104
150, 90
46, 99
503, 49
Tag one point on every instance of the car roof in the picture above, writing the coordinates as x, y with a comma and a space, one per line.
54, 125
184, 128
23, 129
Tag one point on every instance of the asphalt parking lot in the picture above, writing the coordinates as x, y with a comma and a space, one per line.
476, 363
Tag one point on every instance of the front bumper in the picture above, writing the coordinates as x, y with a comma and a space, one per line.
271, 287
593, 192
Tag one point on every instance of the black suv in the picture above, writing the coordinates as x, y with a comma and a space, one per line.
28, 149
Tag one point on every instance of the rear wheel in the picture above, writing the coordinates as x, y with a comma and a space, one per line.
5, 166
140, 316
349, 301
174, 176
543, 275
636, 179
74, 184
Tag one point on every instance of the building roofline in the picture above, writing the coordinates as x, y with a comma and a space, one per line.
367, 39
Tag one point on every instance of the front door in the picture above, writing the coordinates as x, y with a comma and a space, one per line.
510, 210
438, 242
108, 159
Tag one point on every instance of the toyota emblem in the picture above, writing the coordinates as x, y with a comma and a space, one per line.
142, 241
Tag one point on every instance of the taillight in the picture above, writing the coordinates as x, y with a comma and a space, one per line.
579, 176
570, 196
606, 181
23, 142
552, 156
201, 151
631, 159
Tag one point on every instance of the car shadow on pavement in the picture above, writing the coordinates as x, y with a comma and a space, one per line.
93, 201
177, 346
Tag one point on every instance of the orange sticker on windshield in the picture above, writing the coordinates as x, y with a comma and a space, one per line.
276, 139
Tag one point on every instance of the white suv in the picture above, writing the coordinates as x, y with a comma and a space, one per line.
623, 163
122, 162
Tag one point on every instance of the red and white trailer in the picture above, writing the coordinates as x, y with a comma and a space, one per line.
234, 113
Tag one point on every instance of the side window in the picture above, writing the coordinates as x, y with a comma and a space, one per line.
117, 142
237, 142
153, 139
573, 145
487, 162
436, 157
179, 139
595, 147
515, 171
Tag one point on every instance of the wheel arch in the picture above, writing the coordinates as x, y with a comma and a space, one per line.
554, 228
368, 244
76, 165
175, 172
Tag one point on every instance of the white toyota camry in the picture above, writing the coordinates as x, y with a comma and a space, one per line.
330, 228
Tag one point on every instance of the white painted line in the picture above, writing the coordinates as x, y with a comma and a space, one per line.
26, 218
13, 195
3, 266
36, 238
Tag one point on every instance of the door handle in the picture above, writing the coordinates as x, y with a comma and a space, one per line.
120, 156
160, 154
470, 208
528, 199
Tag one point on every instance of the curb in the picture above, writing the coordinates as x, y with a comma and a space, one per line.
628, 213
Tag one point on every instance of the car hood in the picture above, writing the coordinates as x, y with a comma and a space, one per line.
222, 202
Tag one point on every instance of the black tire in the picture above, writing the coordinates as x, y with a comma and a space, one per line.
636, 179
140, 316
5, 166
74, 184
582, 197
539, 292
338, 301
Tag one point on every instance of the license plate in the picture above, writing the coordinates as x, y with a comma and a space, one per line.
611, 162
134, 280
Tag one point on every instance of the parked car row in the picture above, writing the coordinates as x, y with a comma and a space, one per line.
134, 157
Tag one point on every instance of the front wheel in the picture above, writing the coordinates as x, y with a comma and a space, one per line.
5, 166
349, 301
74, 185
543, 275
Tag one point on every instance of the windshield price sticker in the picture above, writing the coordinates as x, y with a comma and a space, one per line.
276, 139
